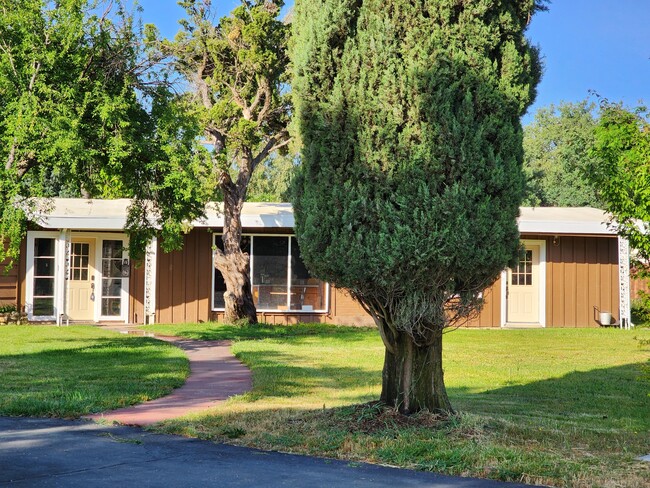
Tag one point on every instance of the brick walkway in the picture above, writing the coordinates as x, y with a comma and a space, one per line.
215, 375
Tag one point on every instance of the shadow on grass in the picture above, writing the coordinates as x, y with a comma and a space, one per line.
212, 331
277, 374
608, 397
615, 397
106, 373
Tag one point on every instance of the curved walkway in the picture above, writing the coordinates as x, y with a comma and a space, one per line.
215, 375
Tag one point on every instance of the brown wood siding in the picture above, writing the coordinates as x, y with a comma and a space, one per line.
184, 279
582, 273
490, 314
12, 281
639, 285
136, 290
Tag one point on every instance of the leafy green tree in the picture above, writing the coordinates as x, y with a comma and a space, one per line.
620, 171
82, 114
411, 176
556, 153
238, 70
272, 180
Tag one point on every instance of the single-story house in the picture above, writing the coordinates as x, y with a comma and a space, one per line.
75, 266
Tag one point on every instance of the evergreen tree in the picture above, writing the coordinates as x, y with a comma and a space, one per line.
411, 177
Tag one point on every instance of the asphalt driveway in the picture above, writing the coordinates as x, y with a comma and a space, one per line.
52, 452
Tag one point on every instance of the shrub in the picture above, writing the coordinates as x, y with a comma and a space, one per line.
7, 308
641, 309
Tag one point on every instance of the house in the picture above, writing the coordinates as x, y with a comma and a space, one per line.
75, 266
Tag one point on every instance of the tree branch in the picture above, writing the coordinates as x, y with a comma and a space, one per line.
273, 144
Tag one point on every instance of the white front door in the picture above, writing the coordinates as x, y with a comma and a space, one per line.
523, 288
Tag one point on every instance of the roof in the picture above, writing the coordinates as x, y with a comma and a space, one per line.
564, 220
94, 214
78, 213
83, 214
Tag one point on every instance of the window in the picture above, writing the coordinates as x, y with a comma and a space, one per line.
43, 305
79, 261
307, 293
270, 265
112, 278
279, 279
522, 274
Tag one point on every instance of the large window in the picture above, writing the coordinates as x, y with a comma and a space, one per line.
43, 305
112, 252
279, 279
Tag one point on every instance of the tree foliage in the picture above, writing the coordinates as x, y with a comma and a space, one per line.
81, 114
620, 171
237, 68
557, 153
412, 152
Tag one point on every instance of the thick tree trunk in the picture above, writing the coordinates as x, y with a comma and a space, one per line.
233, 263
413, 379
238, 298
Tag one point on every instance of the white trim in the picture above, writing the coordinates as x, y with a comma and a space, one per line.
60, 267
625, 314
29, 275
265, 310
124, 294
504, 293
150, 265
542, 286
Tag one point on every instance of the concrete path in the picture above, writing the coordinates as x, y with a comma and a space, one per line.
70, 454
215, 375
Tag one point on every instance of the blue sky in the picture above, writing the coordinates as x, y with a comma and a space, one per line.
600, 45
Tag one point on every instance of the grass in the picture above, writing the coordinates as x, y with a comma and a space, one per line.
73, 371
562, 407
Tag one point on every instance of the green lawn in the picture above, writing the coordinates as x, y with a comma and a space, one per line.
561, 407
72, 371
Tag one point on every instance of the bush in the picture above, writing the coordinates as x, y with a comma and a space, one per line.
7, 308
641, 309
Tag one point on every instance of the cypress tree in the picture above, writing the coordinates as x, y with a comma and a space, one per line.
409, 117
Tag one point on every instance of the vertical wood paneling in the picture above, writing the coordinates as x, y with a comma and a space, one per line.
205, 277
178, 286
164, 287
550, 270
580, 271
582, 283
568, 262
558, 291
605, 276
615, 288
136, 290
191, 270
637, 286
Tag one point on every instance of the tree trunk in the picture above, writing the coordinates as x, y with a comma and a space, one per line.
239, 304
413, 379
233, 263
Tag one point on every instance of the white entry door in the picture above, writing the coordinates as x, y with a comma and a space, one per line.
523, 288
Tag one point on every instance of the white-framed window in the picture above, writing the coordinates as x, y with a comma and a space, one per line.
279, 279
114, 278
